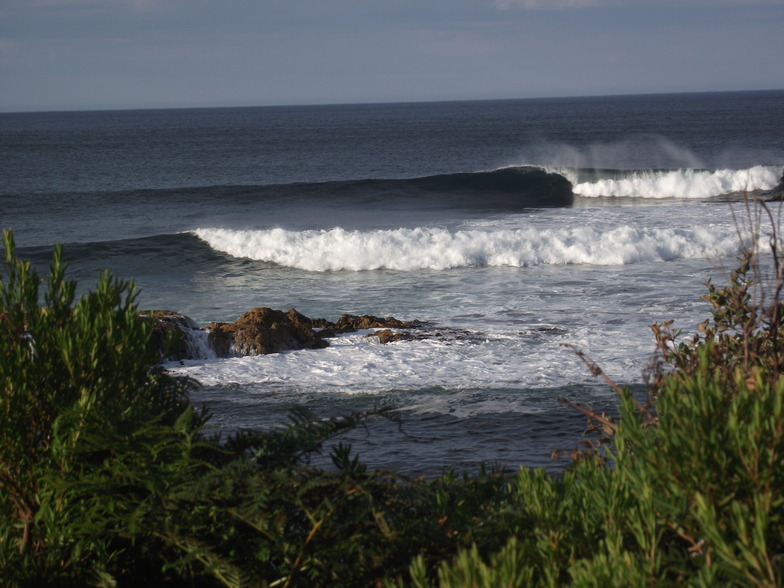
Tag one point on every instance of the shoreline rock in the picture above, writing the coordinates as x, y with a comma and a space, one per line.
262, 331
385, 336
169, 322
350, 323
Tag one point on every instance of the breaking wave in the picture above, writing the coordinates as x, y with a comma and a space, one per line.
680, 183
409, 249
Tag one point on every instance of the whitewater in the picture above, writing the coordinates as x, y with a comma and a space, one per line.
436, 248
682, 183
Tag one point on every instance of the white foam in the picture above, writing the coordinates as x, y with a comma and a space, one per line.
409, 249
354, 364
682, 183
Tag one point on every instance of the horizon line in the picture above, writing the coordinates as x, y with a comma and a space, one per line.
380, 103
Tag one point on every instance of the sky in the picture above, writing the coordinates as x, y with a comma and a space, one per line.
106, 54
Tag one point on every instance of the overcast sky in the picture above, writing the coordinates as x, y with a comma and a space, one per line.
85, 54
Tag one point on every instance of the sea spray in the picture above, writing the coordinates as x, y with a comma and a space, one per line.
637, 151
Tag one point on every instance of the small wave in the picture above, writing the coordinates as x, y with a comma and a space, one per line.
681, 183
440, 249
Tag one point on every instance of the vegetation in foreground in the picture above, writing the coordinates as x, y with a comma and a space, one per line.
109, 478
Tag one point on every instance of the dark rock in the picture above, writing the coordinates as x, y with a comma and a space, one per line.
388, 335
326, 329
221, 338
328, 332
174, 327
263, 330
349, 322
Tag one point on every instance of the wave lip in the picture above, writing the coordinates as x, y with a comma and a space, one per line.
680, 183
439, 249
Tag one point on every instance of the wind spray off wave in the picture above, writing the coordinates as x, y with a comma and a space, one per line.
410, 249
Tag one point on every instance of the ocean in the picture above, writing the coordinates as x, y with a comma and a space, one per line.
513, 228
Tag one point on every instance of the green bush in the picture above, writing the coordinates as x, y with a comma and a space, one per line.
87, 422
695, 499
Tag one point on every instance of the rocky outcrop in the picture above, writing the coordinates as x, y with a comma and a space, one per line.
349, 323
176, 328
263, 330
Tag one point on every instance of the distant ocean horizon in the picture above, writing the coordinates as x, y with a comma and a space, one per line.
525, 225
361, 102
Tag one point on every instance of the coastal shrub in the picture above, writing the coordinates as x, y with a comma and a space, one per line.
695, 500
88, 424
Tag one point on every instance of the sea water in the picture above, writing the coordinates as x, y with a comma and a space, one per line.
518, 230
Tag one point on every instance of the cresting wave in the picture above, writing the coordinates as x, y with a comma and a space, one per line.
680, 183
410, 249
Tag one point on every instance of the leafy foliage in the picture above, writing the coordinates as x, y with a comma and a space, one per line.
78, 387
